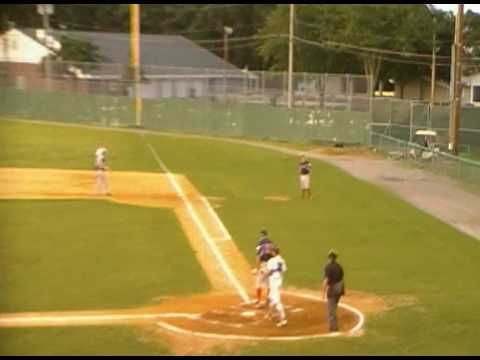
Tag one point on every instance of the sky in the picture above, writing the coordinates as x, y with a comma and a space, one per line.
453, 7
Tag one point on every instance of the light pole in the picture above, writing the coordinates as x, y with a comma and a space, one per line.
227, 31
46, 10
456, 104
290, 56
434, 63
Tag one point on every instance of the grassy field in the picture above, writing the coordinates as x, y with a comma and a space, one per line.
387, 247
82, 255
88, 341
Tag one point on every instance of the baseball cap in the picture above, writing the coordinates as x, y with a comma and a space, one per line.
332, 253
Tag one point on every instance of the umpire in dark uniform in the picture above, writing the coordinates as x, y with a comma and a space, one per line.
333, 287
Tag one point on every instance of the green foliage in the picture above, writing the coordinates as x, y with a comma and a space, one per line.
79, 50
196, 22
403, 28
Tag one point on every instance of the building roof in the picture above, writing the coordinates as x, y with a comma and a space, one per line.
155, 50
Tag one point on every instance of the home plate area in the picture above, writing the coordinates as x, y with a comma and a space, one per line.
307, 318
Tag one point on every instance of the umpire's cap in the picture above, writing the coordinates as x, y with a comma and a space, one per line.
332, 254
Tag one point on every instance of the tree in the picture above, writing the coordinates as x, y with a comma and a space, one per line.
196, 22
313, 22
403, 28
79, 50
471, 40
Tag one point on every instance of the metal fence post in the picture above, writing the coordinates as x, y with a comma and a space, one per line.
263, 83
325, 92
411, 121
304, 87
390, 115
349, 92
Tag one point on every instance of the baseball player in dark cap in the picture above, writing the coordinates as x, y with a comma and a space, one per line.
263, 254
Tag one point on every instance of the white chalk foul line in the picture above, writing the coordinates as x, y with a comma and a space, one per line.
226, 234
52, 320
178, 189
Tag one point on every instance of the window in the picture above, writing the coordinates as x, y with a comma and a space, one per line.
360, 85
476, 94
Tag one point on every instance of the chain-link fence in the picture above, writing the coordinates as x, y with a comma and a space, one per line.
401, 119
328, 108
433, 159
236, 103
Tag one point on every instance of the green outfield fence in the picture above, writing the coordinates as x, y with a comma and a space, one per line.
328, 108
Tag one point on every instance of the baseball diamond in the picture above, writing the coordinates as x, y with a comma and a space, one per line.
165, 262
160, 190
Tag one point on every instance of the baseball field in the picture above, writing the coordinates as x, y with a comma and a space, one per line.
163, 266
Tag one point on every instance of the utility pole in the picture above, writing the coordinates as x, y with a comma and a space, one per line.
290, 56
227, 31
46, 10
434, 64
457, 89
135, 60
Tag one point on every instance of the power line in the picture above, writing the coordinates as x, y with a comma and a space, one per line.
326, 45
239, 46
202, 7
91, 28
381, 51
148, 37
244, 38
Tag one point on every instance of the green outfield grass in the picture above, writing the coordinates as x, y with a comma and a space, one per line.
81, 255
386, 246
81, 341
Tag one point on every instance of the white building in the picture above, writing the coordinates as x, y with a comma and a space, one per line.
471, 89
18, 47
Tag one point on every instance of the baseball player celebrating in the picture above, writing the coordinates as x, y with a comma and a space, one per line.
101, 168
263, 254
276, 266
304, 169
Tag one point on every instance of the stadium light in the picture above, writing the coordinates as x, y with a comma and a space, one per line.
46, 10
227, 32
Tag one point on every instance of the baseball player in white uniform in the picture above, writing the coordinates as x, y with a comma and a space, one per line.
101, 168
276, 266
